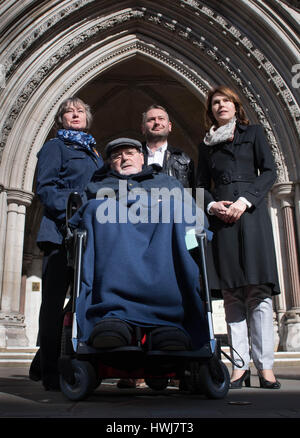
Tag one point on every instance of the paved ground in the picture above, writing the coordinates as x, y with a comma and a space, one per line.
22, 399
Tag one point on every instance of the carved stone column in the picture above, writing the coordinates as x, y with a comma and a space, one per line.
285, 193
12, 329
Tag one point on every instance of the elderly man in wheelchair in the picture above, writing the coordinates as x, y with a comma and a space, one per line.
138, 306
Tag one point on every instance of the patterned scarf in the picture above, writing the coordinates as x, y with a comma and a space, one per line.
81, 138
222, 134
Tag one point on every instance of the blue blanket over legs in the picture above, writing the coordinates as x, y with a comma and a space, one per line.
141, 273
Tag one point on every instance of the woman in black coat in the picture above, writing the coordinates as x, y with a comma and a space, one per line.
236, 169
66, 164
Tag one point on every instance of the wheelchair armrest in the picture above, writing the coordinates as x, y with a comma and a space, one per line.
73, 204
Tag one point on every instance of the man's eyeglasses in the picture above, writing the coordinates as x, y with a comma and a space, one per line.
127, 154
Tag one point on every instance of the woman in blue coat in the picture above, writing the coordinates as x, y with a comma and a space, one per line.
236, 169
66, 164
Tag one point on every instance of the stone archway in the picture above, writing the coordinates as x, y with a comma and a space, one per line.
195, 45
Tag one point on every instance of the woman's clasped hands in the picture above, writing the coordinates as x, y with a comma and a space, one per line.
228, 211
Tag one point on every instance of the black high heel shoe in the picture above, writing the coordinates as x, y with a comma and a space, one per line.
238, 383
267, 384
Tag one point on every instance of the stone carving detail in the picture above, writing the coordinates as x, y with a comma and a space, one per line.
12, 59
264, 64
188, 35
19, 197
10, 317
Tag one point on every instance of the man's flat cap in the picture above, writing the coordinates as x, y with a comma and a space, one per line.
120, 142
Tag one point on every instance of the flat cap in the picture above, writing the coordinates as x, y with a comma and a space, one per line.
119, 142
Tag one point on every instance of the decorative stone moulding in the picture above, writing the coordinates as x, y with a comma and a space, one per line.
50, 19
188, 34
19, 197
248, 46
11, 318
285, 192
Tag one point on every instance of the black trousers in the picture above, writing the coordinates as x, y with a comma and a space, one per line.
56, 278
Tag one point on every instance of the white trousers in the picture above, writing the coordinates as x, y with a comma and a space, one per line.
249, 315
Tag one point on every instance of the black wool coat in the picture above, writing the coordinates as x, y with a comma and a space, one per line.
242, 253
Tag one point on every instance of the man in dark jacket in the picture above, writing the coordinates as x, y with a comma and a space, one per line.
125, 166
156, 127
136, 273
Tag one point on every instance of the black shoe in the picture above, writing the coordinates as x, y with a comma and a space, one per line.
267, 384
238, 383
168, 339
111, 333
34, 375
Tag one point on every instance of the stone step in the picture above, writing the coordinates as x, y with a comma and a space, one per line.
20, 355
25, 355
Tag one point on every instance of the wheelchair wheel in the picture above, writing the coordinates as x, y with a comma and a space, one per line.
157, 384
210, 378
85, 381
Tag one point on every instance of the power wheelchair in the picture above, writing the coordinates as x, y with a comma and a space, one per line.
82, 367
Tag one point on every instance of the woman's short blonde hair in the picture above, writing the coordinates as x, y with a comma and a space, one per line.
232, 95
76, 101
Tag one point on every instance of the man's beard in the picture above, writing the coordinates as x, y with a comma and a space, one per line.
156, 136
